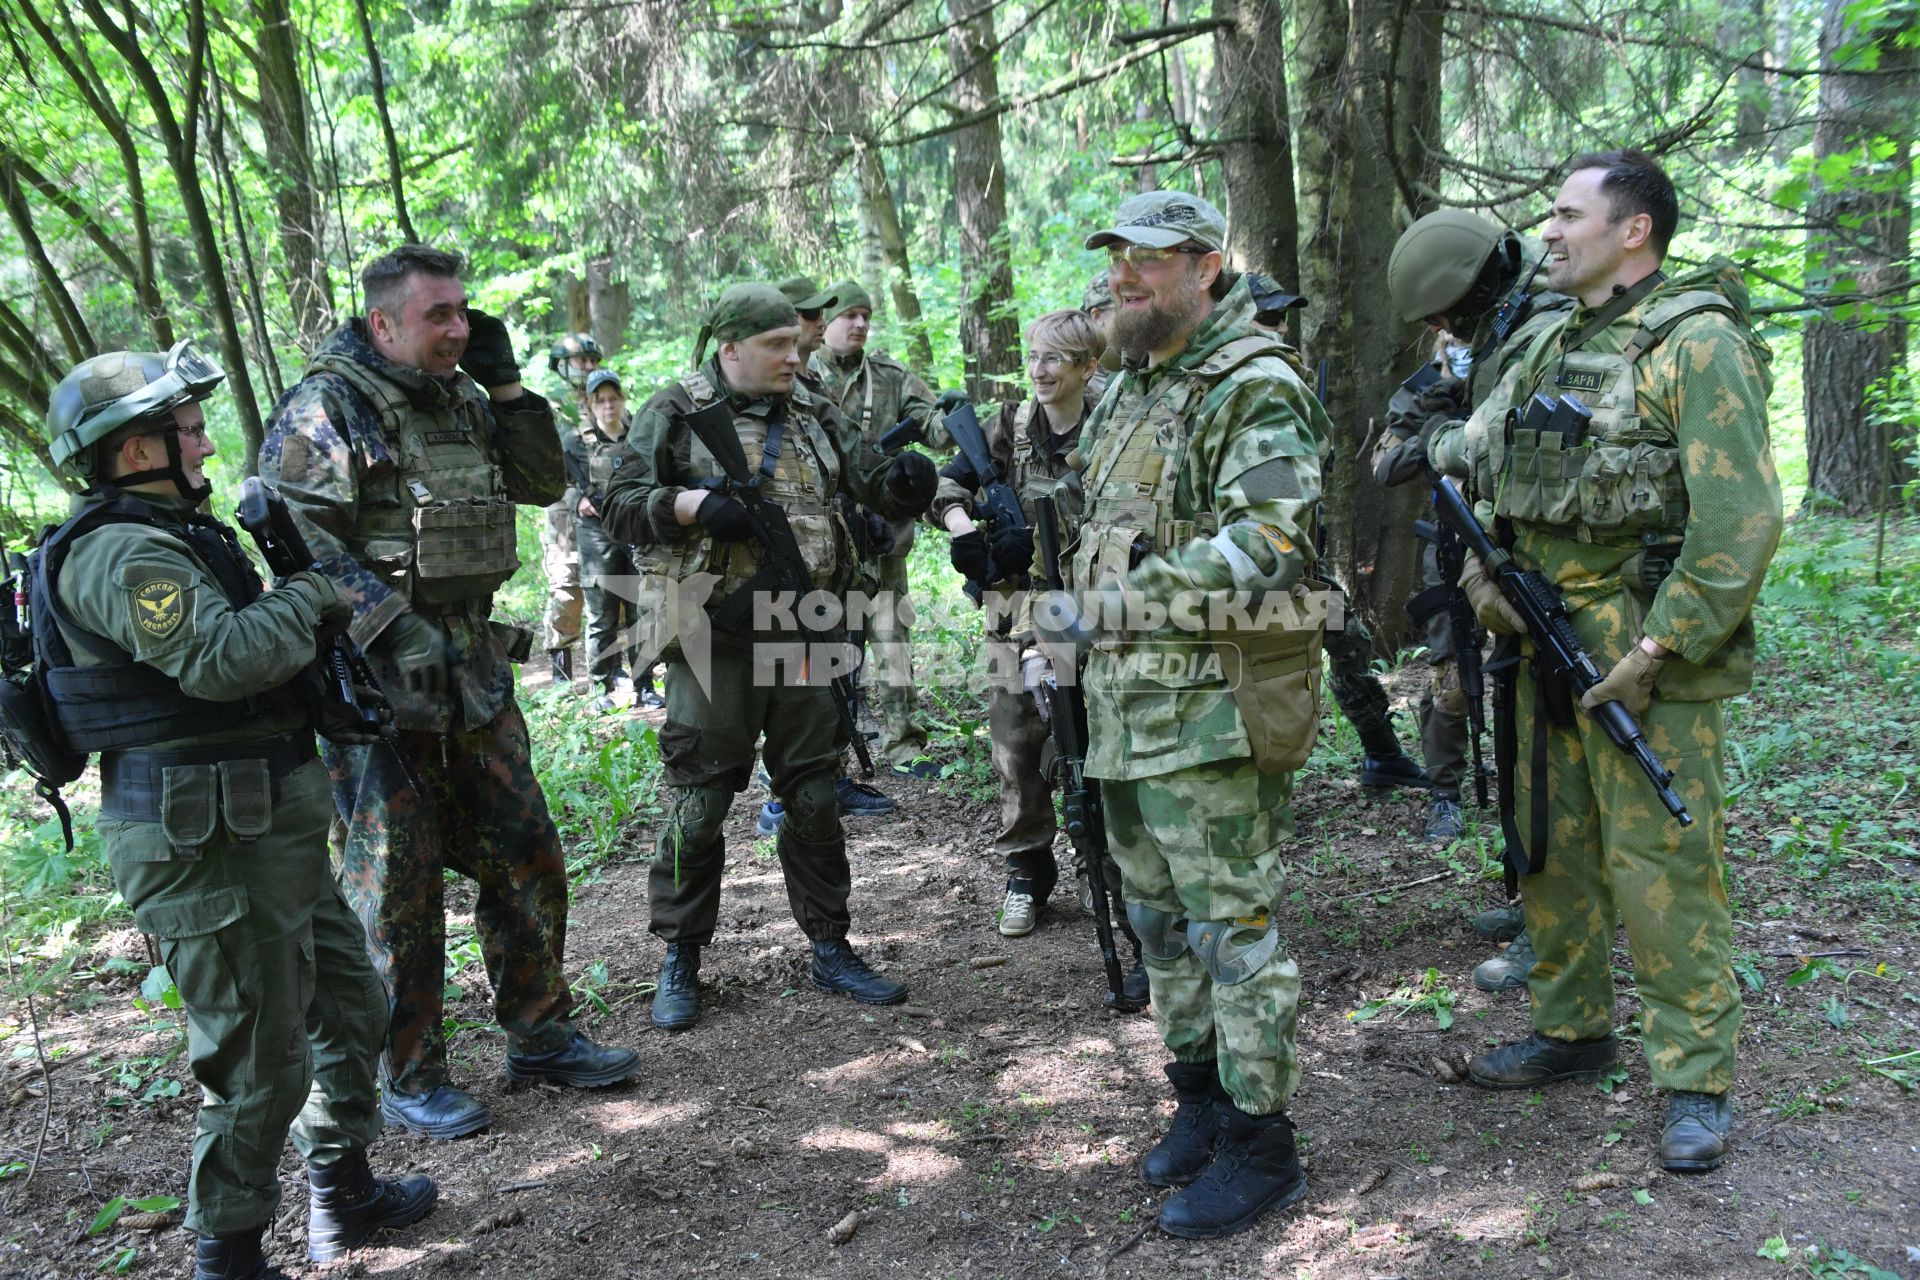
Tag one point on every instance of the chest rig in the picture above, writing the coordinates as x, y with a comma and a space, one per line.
604, 456
1621, 484
434, 517
1132, 475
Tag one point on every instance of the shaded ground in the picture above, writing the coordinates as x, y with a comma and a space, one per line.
991, 1127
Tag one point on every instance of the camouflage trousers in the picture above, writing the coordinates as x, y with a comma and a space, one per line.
1356, 689
609, 604
483, 816
284, 1014
1204, 844
1612, 848
560, 558
888, 678
1445, 748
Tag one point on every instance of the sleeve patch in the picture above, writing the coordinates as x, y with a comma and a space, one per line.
159, 606
294, 455
1270, 480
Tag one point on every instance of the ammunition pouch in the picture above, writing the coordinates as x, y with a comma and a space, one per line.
463, 550
1275, 678
192, 793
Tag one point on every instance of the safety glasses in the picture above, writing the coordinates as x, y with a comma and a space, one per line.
1137, 256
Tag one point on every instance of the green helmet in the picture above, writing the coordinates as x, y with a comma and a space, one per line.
560, 357
111, 390
1452, 263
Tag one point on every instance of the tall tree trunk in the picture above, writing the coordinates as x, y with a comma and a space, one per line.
396, 174
579, 305
253, 297
302, 214
989, 329
609, 303
1257, 160
1865, 251
877, 206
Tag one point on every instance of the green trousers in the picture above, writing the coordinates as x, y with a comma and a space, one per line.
1612, 848
1204, 844
285, 1018
889, 675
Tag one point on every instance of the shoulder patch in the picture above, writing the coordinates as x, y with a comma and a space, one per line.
294, 455
159, 605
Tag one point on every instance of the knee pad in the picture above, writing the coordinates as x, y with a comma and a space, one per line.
1449, 699
813, 810
698, 813
1163, 935
1230, 961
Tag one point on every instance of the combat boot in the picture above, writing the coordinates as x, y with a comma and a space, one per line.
1695, 1139
235, 1257
1185, 1152
858, 800
1539, 1060
676, 1004
1501, 924
1256, 1168
838, 967
561, 661
1507, 971
441, 1112
1384, 772
1445, 822
346, 1205
579, 1063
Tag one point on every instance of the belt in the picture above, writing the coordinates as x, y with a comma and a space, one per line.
132, 782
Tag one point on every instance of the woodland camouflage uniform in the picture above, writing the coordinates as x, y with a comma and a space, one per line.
352, 447
1684, 456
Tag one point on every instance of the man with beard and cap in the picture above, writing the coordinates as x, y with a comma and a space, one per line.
402, 453
727, 687
810, 302
874, 392
158, 649
1202, 473
570, 361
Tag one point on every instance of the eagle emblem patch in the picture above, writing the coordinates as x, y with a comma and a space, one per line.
157, 607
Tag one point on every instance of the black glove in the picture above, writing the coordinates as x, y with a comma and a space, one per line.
911, 481
489, 355
879, 536
948, 401
970, 557
1444, 401
726, 518
1012, 553
347, 726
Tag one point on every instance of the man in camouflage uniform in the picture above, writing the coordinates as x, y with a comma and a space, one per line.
404, 481
159, 650
1460, 275
1657, 528
1202, 470
594, 453
571, 360
1097, 302
873, 392
750, 682
1029, 442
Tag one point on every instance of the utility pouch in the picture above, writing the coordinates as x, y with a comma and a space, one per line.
246, 798
1275, 678
189, 806
462, 550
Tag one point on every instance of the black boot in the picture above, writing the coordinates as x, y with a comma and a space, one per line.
561, 660
838, 967
1135, 991
1185, 1152
346, 1205
676, 1004
1383, 764
233, 1258
1256, 1169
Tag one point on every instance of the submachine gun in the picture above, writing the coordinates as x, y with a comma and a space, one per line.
1079, 795
999, 506
783, 569
349, 679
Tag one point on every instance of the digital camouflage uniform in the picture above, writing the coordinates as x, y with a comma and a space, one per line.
716, 716
363, 451
873, 392
1031, 460
606, 564
1400, 459
560, 541
284, 1014
1678, 448
1220, 445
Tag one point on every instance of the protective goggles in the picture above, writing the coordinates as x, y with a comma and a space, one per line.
190, 374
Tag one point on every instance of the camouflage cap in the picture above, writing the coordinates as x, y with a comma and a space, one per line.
742, 311
805, 293
1099, 294
1163, 219
848, 295
602, 378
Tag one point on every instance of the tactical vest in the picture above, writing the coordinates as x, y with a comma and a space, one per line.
604, 456
805, 479
440, 528
1622, 484
121, 703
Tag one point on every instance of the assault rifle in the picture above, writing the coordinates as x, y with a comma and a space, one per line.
999, 506
783, 569
1538, 603
349, 679
1086, 822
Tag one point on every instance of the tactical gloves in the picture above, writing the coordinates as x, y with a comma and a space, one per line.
970, 557
1495, 614
489, 355
346, 726
417, 647
948, 401
726, 518
1445, 401
1012, 552
1630, 683
911, 481
333, 602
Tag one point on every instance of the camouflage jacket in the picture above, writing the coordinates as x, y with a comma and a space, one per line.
1223, 444
1684, 456
351, 474
874, 392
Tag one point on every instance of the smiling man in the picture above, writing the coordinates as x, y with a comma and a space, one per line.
403, 474
684, 527
1656, 521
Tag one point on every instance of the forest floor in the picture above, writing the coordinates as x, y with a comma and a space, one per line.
992, 1127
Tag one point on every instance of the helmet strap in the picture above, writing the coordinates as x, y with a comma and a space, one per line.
175, 470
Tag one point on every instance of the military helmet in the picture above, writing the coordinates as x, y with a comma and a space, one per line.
1453, 263
560, 356
111, 390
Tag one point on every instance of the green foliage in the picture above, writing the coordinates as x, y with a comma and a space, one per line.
1427, 992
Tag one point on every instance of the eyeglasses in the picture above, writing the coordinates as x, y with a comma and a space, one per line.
1046, 360
1139, 255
